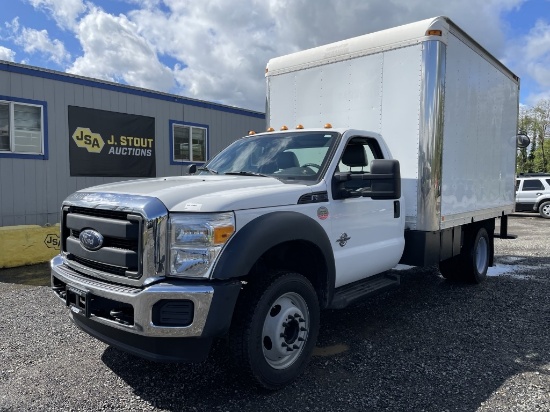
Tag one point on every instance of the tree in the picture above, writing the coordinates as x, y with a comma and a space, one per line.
535, 122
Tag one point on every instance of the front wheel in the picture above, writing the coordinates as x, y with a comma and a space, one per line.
544, 210
274, 329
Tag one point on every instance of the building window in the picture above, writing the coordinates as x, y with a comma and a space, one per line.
21, 128
189, 143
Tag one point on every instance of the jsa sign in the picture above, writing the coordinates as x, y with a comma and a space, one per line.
104, 143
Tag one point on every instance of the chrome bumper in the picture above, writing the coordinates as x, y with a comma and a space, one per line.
142, 301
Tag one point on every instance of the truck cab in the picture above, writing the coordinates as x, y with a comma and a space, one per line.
161, 267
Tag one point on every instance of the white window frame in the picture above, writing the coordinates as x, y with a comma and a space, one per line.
190, 127
12, 131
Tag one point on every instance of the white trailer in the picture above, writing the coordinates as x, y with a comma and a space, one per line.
446, 108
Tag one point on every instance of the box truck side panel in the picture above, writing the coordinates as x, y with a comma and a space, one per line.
478, 162
337, 93
402, 91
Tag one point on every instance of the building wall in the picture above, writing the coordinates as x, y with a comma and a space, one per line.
32, 189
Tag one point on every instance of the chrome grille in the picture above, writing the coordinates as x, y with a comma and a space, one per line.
133, 228
119, 253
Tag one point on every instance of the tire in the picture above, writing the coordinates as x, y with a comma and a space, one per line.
475, 257
274, 330
544, 209
451, 269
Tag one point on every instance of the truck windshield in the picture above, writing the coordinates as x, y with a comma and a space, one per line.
288, 157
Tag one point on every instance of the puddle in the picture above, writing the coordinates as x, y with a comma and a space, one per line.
33, 275
515, 271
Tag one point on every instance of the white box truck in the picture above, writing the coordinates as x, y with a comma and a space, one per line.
396, 146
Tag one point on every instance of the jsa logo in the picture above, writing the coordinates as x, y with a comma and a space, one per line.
88, 140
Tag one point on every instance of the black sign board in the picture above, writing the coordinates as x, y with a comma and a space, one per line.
103, 143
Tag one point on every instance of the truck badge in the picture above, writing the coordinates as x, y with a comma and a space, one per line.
342, 240
90, 239
322, 213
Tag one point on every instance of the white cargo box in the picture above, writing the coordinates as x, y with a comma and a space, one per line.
447, 109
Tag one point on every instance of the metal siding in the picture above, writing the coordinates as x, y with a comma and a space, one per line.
6, 187
16, 88
56, 148
29, 181
37, 86
18, 191
5, 84
479, 136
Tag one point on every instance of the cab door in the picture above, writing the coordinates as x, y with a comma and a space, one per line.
367, 234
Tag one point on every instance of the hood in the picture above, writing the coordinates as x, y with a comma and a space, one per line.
209, 193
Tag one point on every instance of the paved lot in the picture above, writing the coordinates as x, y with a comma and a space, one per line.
429, 346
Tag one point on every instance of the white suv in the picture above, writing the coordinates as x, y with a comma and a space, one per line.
533, 193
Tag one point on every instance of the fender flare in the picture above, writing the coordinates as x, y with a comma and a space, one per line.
267, 231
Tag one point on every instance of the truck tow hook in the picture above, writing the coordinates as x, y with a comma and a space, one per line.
117, 315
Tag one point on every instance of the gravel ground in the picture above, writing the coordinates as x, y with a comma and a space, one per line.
429, 346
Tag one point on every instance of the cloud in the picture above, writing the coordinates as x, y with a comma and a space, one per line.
530, 57
223, 47
217, 50
38, 41
113, 50
7, 54
65, 12
537, 53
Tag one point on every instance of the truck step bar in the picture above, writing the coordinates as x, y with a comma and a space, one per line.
359, 290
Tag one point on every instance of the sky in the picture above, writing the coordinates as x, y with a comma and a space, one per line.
217, 50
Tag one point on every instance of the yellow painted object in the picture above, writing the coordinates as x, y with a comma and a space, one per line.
27, 245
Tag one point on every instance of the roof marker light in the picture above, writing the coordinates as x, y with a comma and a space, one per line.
270, 129
299, 126
284, 128
434, 33
328, 126
251, 132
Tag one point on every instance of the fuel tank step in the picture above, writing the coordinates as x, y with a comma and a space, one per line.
371, 286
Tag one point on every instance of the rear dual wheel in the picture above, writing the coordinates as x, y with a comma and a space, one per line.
472, 263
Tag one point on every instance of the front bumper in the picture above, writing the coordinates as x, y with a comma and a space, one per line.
126, 317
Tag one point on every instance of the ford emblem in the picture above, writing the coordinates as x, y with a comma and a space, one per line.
90, 239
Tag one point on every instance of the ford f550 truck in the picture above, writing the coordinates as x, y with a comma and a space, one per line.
396, 146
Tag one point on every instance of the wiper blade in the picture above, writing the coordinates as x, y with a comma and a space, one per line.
214, 172
245, 173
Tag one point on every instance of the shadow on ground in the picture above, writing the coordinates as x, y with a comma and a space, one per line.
32, 275
431, 345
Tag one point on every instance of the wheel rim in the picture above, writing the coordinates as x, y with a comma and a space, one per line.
481, 254
285, 330
546, 210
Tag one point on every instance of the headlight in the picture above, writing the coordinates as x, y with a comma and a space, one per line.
196, 240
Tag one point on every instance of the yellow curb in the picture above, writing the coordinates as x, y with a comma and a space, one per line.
27, 245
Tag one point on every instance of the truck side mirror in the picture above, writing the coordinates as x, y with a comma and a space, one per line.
386, 179
522, 140
190, 169
383, 182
